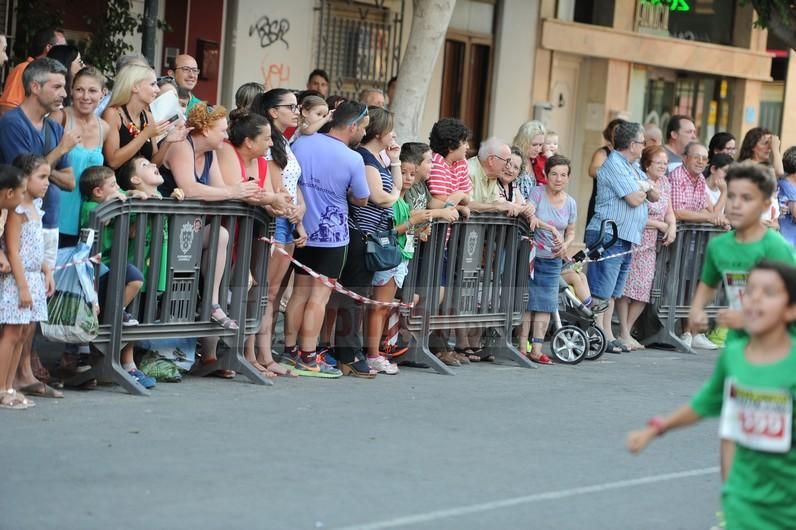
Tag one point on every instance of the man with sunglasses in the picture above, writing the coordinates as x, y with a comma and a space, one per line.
185, 72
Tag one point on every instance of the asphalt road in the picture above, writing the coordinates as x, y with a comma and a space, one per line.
494, 447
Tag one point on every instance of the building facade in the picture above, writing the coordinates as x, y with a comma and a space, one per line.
574, 64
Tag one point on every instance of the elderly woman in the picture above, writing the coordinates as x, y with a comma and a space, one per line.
556, 213
530, 141
622, 195
660, 220
193, 166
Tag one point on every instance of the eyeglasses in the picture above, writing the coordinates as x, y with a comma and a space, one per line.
640, 142
188, 70
165, 79
506, 161
292, 106
702, 158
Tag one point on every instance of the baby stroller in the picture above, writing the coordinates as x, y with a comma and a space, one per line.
576, 335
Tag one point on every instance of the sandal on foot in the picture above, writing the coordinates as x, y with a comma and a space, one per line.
15, 401
280, 369
42, 390
541, 359
616, 346
224, 321
221, 373
448, 358
469, 353
484, 356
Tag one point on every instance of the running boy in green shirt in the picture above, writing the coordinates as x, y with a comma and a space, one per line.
752, 390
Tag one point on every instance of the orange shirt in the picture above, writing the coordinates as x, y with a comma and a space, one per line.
14, 90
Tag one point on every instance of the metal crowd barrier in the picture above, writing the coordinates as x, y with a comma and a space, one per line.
485, 263
677, 273
178, 311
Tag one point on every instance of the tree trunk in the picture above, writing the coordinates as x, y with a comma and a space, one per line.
430, 19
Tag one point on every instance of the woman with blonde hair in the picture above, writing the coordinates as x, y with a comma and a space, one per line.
132, 129
530, 141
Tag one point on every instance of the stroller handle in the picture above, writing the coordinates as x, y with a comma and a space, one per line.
598, 248
614, 231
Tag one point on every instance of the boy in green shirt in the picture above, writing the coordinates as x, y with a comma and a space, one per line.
752, 390
730, 256
98, 185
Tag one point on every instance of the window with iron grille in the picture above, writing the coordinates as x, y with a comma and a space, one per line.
359, 43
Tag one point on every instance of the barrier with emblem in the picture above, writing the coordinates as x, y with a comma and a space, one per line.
174, 244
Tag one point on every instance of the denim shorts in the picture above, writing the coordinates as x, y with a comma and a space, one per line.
607, 278
283, 230
399, 273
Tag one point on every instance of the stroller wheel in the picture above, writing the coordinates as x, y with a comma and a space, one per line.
597, 343
569, 344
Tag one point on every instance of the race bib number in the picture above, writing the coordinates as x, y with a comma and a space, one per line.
734, 285
409, 247
757, 418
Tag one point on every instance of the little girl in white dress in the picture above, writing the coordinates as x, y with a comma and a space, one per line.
24, 291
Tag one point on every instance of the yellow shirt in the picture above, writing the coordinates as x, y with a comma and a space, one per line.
484, 189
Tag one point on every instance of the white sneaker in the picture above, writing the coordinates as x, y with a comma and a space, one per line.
701, 342
687, 339
382, 365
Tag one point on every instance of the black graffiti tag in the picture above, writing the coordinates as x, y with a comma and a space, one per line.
270, 31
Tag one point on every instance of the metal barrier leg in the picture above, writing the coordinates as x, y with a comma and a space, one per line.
508, 351
107, 368
420, 351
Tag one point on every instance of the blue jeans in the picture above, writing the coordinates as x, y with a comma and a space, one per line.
607, 278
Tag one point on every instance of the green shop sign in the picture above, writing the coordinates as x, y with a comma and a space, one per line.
674, 5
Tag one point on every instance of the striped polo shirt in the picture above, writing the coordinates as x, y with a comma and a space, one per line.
616, 179
371, 218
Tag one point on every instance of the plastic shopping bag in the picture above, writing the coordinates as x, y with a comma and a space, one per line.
70, 311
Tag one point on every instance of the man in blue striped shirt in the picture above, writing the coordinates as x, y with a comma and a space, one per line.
622, 192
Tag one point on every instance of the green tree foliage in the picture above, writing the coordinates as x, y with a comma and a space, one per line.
32, 16
779, 17
108, 41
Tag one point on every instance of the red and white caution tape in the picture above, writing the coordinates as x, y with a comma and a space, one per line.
332, 283
93, 259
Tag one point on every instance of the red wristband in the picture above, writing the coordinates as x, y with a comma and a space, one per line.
658, 424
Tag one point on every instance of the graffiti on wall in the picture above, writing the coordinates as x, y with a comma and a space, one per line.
270, 31
275, 75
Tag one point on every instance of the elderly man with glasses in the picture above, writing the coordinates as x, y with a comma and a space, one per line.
484, 169
689, 196
185, 72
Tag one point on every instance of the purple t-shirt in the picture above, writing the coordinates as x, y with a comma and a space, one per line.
328, 170
560, 218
